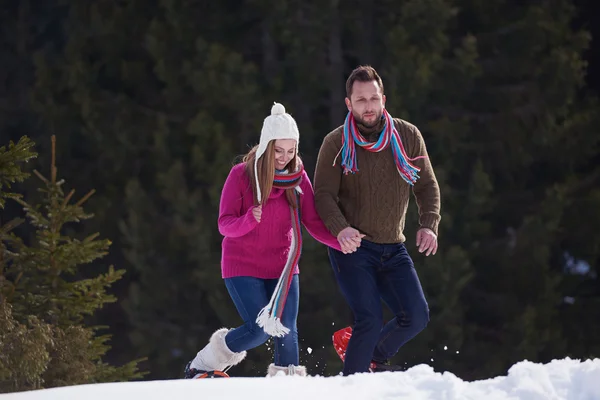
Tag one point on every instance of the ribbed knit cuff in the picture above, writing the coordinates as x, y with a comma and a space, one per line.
249, 218
431, 221
336, 225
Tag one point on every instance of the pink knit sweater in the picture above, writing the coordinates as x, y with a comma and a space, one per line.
260, 249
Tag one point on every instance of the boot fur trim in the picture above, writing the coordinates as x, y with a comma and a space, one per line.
216, 355
217, 341
275, 370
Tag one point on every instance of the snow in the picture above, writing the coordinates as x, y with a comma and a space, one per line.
560, 379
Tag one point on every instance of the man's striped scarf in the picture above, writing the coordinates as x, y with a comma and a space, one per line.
389, 136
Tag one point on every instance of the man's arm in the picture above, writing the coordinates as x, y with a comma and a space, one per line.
327, 185
426, 189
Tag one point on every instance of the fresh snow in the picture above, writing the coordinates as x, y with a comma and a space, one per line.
560, 379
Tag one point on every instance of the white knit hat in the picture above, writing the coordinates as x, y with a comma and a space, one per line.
278, 125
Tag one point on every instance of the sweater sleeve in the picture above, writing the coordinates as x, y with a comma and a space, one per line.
310, 218
327, 185
426, 189
233, 220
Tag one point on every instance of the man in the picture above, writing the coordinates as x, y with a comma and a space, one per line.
365, 172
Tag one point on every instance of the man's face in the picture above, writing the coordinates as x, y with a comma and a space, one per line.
366, 103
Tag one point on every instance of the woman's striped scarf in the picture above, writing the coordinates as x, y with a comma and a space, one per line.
269, 318
389, 135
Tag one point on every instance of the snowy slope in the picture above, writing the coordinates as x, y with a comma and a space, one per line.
560, 379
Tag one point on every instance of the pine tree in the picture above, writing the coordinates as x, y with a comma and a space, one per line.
22, 346
11, 158
45, 339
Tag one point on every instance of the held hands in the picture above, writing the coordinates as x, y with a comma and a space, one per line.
427, 241
257, 212
349, 240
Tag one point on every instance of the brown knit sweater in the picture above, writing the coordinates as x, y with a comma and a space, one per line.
374, 200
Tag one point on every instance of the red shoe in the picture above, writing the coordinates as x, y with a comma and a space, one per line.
340, 340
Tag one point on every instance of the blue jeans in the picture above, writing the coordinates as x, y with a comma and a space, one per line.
250, 295
373, 273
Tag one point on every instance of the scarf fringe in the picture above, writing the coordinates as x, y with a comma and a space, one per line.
271, 324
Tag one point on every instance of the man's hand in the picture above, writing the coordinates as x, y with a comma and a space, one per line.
427, 241
349, 239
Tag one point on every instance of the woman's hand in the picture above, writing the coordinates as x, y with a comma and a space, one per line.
257, 213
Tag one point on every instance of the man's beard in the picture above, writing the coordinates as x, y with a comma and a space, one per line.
366, 124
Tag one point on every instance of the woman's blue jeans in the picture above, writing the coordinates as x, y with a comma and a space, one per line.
250, 295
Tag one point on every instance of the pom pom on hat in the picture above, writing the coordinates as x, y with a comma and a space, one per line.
277, 108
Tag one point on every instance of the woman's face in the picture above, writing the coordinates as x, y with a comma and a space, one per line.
285, 150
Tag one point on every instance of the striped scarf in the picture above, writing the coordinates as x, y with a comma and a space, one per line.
269, 318
389, 135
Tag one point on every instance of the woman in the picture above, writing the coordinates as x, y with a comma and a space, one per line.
264, 201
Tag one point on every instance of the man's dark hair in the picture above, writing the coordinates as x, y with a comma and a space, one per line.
363, 73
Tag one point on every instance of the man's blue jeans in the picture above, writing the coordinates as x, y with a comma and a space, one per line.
250, 295
373, 273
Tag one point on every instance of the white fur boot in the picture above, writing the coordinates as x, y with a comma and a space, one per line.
216, 355
276, 370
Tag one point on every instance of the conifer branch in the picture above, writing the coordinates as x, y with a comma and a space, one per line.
68, 198
35, 171
84, 198
53, 163
10, 225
